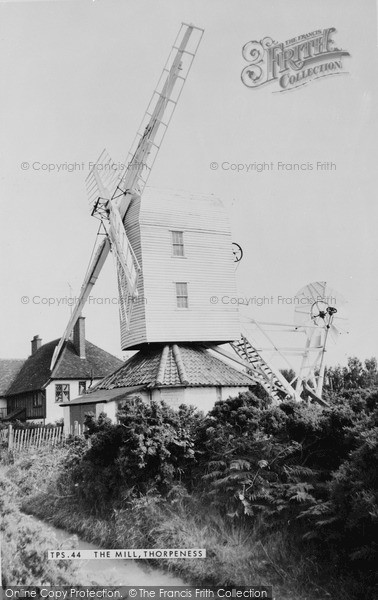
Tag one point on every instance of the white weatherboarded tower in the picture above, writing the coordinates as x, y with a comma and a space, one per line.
183, 245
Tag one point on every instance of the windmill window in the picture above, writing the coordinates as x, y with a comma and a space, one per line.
62, 392
178, 243
182, 295
82, 387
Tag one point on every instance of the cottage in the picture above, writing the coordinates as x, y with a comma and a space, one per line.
35, 392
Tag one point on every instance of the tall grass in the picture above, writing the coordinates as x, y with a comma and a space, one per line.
236, 553
25, 545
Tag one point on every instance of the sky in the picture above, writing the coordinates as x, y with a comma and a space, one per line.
77, 77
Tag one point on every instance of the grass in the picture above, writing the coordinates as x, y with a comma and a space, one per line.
236, 554
24, 545
25, 542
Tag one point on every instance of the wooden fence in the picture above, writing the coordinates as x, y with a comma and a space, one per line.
16, 439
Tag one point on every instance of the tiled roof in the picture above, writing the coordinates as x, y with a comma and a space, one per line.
174, 365
9, 367
103, 396
97, 363
35, 372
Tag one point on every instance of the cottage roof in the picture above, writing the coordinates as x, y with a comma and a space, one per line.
9, 367
35, 372
174, 365
103, 396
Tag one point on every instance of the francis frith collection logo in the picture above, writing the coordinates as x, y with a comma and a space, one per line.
293, 63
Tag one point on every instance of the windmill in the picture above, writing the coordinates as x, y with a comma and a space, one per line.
158, 240
112, 196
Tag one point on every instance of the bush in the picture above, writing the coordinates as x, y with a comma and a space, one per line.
345, 522
303, 473
151, 447
250, 465
308, 471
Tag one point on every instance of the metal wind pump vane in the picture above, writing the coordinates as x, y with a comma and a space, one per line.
320, 315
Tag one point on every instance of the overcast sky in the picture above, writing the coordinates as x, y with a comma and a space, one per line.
77, 76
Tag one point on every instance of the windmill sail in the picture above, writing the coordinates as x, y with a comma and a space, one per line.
154, 125
102, 178
140, 159
151, 132
88, 283
128, 268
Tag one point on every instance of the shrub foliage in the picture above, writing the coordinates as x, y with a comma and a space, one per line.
151, 447
297, 468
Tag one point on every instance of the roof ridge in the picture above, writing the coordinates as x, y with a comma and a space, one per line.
180, 364
162, 366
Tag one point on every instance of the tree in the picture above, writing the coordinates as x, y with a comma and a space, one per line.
355, 376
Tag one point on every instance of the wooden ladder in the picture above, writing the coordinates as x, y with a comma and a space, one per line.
262, 372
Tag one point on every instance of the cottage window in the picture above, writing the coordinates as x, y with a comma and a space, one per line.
62, 392
177, 243
37, 399
82, 387
182, 295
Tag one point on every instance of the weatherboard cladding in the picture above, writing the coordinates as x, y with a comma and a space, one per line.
181, 209
35, 372
208, 270
199, 366
207, 267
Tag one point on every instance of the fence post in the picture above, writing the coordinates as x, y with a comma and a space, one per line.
10, 437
